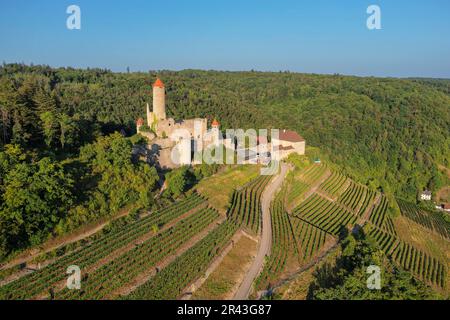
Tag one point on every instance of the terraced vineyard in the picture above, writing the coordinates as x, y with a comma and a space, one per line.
143, 257
313, 173
421, 265
310, 238
387, 242
324, 214
433, 221
357, 197
334, 184
297, 189
245, 207
427, 268
41, 281
170, 282
380, 218
283, 244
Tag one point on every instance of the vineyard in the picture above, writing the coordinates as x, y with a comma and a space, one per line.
44, 280
302, 180
422, 265
387, 242
334, 184
313, 173
141, 258
298, 188
245, 209
324, 214
283, 244
310, 238
357, 197
432, 221
170, 282
380, 218
426, 268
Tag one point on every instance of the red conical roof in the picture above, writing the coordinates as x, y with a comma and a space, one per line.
215, 123
140, 122
158, 83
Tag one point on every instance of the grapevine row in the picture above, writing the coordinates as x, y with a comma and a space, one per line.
36, 282
170, 282
128, 266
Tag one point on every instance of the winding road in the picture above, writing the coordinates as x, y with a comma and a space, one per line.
266, 239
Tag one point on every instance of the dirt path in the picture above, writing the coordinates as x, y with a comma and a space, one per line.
266, 238
190, 290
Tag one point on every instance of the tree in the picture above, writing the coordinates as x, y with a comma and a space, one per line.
68, 131
49, 127
177, 181
347, 280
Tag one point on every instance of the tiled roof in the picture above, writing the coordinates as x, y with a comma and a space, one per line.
140, 122
215, 123
292, 136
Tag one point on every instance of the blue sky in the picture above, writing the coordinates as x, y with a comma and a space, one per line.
315, 36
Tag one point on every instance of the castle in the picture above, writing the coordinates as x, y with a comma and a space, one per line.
173, 143
186, 136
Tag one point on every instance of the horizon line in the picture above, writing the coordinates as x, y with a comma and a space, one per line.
32, 64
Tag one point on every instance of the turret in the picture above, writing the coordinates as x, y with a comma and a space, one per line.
215, 132
139, 124
159, 100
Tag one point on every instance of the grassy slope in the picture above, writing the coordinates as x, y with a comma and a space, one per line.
219, 187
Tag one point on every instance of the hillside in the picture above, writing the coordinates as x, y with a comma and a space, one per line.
190, 249
63, 166
387, 132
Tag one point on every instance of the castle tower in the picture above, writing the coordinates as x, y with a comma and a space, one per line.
159, 100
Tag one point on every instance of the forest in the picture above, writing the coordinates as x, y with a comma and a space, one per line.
67, 135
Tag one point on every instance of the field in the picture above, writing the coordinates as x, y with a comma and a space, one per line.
219, 188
